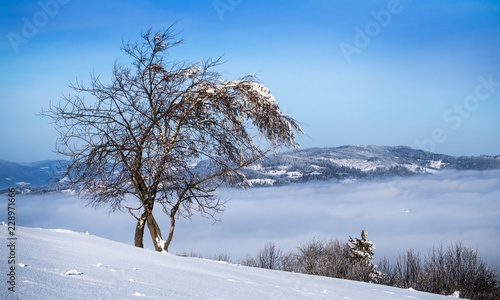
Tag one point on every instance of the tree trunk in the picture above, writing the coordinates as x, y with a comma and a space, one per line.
139, 231
171, 232
155, 232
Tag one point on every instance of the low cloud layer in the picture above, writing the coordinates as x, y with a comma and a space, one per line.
417, 212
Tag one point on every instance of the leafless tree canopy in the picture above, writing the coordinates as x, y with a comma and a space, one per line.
142, 133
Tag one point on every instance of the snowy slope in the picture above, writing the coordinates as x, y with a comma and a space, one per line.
105, 269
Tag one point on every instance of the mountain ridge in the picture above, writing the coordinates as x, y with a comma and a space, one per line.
347, 162
359, 162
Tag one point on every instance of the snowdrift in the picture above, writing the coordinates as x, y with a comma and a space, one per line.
62, 264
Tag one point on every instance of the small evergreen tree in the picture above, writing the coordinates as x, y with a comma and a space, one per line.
361, 250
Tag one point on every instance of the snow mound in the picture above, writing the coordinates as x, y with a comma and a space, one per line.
456, 294
72, 272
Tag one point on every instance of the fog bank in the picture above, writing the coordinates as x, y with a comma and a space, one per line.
417, 212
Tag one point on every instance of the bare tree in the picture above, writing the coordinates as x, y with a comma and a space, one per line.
269, 257
142, 133
456, 270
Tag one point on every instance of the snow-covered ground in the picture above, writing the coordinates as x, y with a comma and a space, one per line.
61, 264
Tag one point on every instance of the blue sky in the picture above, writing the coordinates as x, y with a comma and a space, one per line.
425, 74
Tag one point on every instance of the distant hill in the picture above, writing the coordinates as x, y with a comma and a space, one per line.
358, 162
36, 174
341, 163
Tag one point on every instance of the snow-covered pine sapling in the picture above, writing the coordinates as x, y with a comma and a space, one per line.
362, 248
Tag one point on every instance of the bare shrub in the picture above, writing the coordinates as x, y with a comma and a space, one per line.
332, 258
269, 257
456, 269
223, 256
